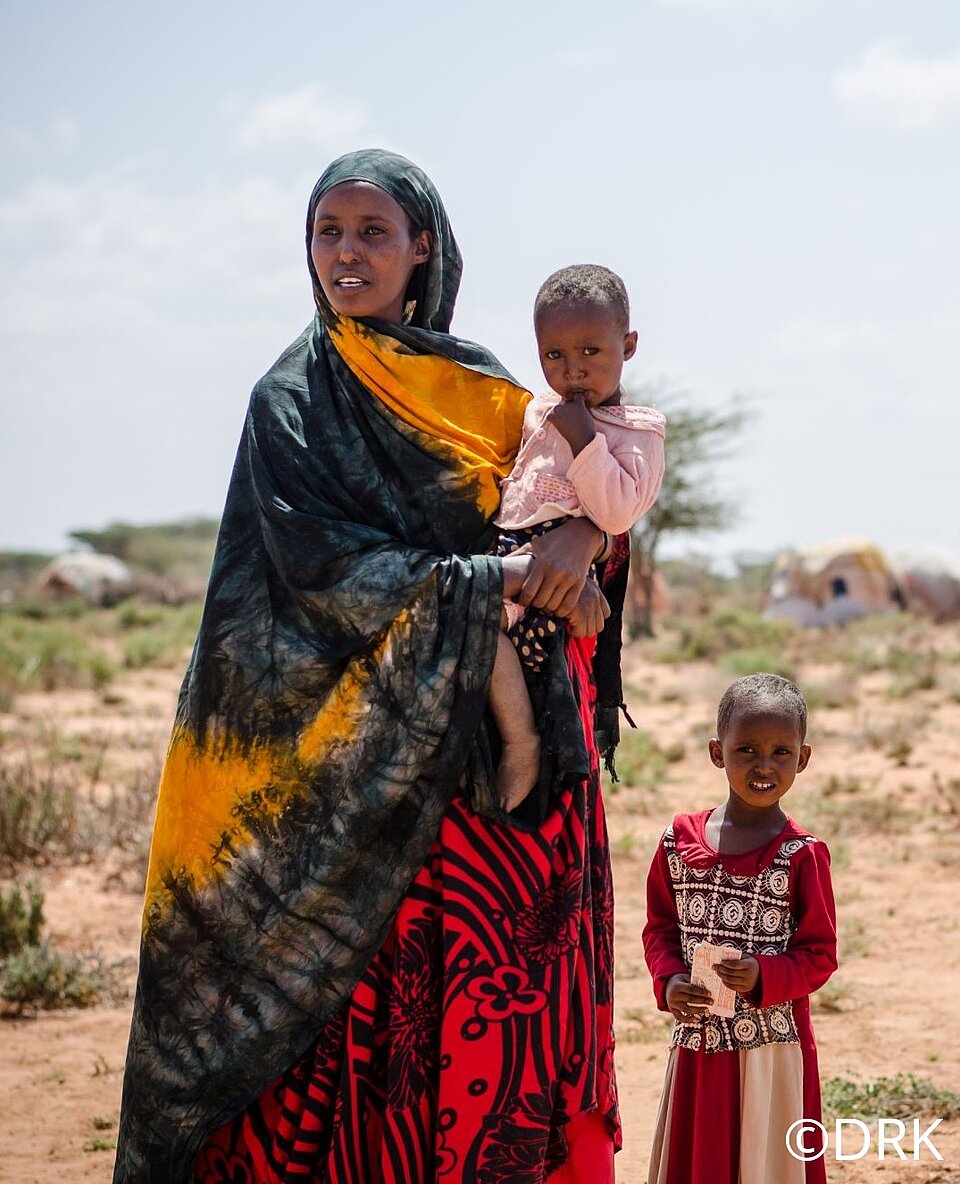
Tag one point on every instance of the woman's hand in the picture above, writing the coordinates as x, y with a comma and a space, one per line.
561, 562
686, 1001
591, 611
740, 974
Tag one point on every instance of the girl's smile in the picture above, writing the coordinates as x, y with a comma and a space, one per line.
762, 752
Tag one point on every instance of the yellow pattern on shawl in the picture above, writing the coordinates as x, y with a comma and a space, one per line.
478, 418
208, 791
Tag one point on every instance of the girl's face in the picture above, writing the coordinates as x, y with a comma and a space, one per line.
364, 252
762, 753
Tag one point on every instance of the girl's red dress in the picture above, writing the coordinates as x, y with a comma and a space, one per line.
705, 1135
478, 1044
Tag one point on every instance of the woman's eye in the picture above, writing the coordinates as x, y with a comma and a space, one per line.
374, 230
327, 231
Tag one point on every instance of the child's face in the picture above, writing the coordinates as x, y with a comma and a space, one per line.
762, 753
582, 351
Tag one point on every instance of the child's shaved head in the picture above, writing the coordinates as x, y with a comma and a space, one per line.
584, 283
762, 693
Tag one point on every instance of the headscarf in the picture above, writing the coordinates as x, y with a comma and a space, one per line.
334, 699
434, 284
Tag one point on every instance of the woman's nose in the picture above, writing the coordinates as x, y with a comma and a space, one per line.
349, 249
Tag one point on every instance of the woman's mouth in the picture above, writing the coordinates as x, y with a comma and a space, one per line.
350, 283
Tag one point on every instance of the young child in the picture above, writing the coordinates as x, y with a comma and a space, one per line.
583, 454
743, 875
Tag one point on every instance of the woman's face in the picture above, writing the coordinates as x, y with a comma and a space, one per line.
364, 252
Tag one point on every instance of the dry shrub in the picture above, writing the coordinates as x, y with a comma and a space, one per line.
50, 808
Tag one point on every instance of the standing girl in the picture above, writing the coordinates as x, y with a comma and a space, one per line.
742, 875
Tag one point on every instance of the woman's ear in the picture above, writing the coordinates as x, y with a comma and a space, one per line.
422, 245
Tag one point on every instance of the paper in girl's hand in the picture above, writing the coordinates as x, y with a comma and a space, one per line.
705, 954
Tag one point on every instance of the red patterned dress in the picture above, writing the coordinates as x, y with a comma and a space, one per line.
478, 1044
734, 1086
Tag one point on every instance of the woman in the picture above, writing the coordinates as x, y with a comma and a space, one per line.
354, 967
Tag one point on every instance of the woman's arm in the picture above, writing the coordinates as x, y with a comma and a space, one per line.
561, 564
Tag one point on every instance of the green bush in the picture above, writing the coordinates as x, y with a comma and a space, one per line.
903, 1096
41, 977
48, 654
728, 630
751, 661
640, 760
21, 918
164, 640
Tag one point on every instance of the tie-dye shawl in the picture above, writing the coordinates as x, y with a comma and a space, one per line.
333, 699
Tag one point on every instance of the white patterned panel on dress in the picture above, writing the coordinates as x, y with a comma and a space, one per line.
753, 913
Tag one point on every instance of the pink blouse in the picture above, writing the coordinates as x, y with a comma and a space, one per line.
613, 481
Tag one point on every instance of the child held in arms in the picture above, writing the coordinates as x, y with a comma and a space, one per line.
741, 930
584, 453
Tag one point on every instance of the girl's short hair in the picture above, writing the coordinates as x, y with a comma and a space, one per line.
762, 692
584, 283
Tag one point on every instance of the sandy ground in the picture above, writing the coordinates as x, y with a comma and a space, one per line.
893, 823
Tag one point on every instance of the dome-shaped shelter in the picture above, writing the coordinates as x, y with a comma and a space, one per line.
833, 582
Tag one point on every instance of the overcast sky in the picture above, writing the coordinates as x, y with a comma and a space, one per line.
776, 180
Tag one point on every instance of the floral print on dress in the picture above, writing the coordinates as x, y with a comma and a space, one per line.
549, 926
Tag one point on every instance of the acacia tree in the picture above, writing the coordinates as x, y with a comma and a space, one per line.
697, 437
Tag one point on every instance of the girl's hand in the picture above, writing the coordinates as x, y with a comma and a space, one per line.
592, 610
686, 1002
740, 974
561, 563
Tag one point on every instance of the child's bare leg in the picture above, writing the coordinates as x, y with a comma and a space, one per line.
510, 703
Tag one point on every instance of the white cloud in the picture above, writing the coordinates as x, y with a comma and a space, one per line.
305, 118
62, 131
889, 88
111, 254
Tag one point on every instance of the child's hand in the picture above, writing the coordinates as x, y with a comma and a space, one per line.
591, 611
574, 422
739, 974
685, 1001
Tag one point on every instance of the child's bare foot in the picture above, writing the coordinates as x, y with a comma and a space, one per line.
518, 771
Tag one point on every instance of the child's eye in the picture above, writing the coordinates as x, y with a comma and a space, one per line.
552, 355
590, 350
